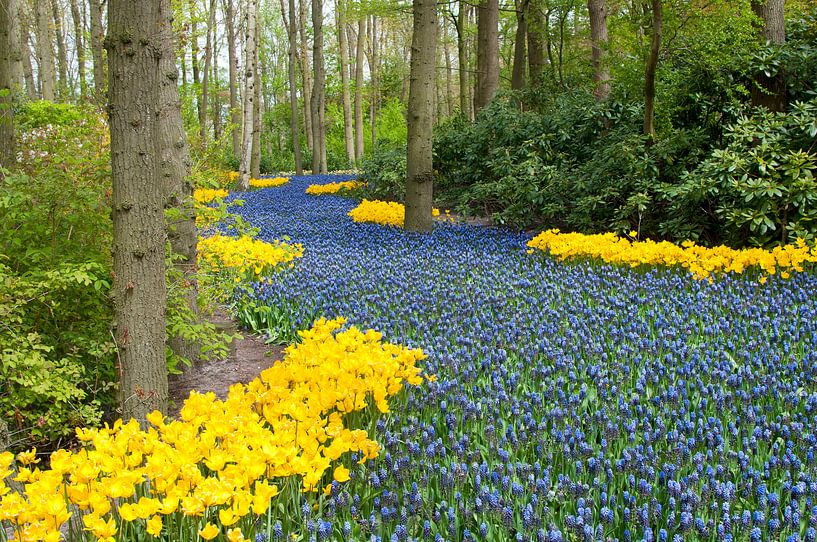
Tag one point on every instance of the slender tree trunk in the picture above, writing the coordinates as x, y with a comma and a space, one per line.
374, 61
359, 57
15, 45
62, 55
562, 22
306, 76
519, 46
217, 87
7, 142
255, 155
536, 47
599, 39
449, 84
139, 292
294, 126
45, 54
205, 84
235, 115
419, 167
462, 60
348, 133
194, 60
97, 50
250, 18
487, 53
318, 89
79, 43
771, 92
28, 69
652, 66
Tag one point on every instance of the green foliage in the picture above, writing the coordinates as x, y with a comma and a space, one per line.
385, 174
42, 113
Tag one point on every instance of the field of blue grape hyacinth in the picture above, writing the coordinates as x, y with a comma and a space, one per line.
573, 402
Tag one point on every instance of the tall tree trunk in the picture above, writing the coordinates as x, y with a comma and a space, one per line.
449, 84
548, 41
294, 126
487, 53
250, 20
306, 76
419, 167
174, 168
97, 50
348, 133
563, 15
45, 54
194, 60
374, 61
7, 143
519, 46
599, 39
652, 66
79, 43
536, 47
139, 292
235, 114
359, 57
217, 88
318, 89
771, 92
462, 60
208, 58
62, 55
15, 45
255, 154
25, 49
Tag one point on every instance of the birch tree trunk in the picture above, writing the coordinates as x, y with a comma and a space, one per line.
419, 167
255, 154
348, 134
139, 292
359, 58
599, 40
208, 59
250, 18
374, 68
235, 115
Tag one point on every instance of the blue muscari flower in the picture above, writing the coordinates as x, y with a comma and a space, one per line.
277, 531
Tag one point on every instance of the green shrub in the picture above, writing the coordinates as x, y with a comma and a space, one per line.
385, 175
42, 113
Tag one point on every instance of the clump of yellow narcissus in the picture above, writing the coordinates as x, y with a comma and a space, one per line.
268, 183
245, 254
207, 195
701, 261
332, 188
217, 468
386, 213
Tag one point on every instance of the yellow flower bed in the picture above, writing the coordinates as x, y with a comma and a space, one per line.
702, 262
387, 213
268, 183
244, 253
332, 188
217, 468
206, 195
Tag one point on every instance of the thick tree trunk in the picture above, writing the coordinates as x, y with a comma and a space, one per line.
15, 46
462, 60
652, 66
208, 58
359, 57
79, 43
419, 167
235, 114
45, 54
250, 18
139, 292
62, 55
487, 53
318, 91
7, 144
599, 39
771, 92
519, 46
97, 50
306, 76
255, 154
294, 126
536, 47
348, 133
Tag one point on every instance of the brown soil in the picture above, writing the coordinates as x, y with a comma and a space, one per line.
248, 357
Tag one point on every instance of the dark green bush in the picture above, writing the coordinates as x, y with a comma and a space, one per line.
385, 175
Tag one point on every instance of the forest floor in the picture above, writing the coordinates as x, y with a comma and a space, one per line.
248, 356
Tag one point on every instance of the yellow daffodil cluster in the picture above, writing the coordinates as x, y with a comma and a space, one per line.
216, 469
206, 195
244, 253
387, 213
332, 188
232, 176
268, 183
702, 262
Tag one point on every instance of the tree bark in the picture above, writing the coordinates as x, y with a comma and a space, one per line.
294, 126
7, 142
79, 43
419, 167
652, 66
45, 54
62, 55
348, 133
536, 47
255, 154
306, 76
449, 84
205, 84
15, 45
519, 46
374, 68
194, 61
217, 130
97, 50
462, 59
28, 69
318, 91
487, 53
139, 291
235, 115
250, 20
599, 40
359, 58
770, 92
